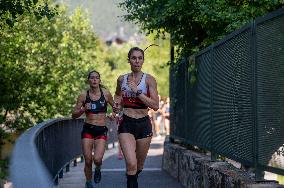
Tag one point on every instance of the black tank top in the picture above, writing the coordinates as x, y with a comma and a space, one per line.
98, 106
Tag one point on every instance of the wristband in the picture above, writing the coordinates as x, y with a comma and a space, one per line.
139, 92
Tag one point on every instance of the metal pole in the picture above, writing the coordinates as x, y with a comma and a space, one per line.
214, 155
171, 77
258, 173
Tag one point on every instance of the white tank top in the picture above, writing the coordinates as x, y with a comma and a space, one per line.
130, 99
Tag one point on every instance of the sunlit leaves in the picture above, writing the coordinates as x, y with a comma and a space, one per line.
196, 24
11, 10
43, 65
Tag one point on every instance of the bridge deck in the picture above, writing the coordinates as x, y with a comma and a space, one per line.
113, 171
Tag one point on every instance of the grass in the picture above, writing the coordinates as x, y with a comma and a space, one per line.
4, 168
280, 179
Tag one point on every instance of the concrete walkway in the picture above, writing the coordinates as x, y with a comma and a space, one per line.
113, 171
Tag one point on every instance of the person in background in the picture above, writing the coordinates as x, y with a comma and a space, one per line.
118, 120
119, 153
152, 116
93, 103
136, 91
166, 114
159, 119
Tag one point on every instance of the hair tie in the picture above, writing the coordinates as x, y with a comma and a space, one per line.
150, 46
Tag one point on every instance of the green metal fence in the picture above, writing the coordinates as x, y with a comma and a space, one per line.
233, 102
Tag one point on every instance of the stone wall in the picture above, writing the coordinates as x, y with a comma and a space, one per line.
196, 170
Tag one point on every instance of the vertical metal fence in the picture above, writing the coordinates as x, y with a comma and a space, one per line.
233, 102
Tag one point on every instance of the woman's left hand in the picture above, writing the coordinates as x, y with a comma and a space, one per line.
111, 116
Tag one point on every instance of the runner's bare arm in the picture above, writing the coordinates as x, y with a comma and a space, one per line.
117, 95
109, 98
79, 109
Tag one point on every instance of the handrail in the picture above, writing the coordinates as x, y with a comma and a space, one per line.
26, 167
41, 152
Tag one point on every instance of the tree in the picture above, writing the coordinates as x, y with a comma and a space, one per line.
156, 61
10, 10
195, 24
43, 66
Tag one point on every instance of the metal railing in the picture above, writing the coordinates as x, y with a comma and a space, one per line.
42, 153
233, 102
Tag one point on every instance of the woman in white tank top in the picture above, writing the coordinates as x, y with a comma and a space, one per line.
136, 92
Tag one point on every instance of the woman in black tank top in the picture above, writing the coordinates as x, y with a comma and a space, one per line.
93, 103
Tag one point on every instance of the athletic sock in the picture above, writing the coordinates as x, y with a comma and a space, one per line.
97, 174
89, 184
138, 172
132, 181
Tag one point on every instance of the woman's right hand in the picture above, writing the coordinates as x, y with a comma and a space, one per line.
82, 110
116, 107
87, 106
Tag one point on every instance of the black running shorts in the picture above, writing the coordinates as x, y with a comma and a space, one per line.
94, 132
139, 128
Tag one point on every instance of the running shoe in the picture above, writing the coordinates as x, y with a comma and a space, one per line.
97, 176
89, 184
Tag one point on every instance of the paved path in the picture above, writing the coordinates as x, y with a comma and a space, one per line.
113, 171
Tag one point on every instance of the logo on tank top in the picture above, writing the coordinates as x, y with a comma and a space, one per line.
102, 102
93, 106
128, 94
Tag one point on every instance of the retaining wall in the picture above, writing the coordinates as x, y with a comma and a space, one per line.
196, 170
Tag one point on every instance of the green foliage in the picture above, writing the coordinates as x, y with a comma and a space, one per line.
156, 62
10, 10
192, 70
198, 23
43, 66
3, 168
280, 179
44, 61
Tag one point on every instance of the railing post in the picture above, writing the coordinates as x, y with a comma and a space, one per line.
185, 78
68, 167
213, 154
61, 173
171, 77
258, 172
56, 180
